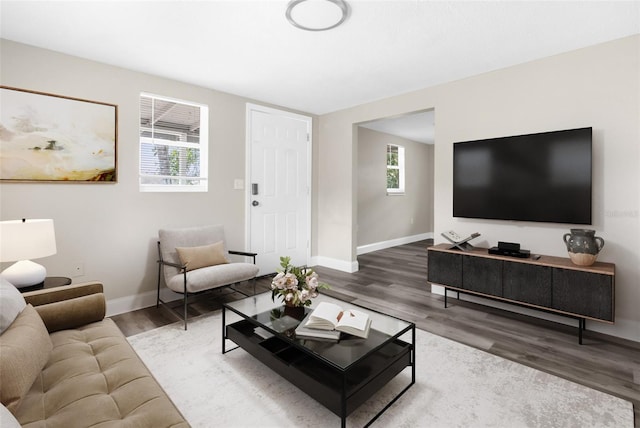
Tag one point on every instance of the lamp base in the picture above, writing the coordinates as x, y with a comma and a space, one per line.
25, 273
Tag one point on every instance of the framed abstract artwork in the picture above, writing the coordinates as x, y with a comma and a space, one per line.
53, 138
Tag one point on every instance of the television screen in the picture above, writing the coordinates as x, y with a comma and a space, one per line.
543, 177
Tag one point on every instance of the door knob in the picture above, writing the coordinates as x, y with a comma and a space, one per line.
255, 203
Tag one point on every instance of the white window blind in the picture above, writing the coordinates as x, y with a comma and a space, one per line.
173, 145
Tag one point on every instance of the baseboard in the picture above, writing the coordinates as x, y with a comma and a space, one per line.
138, 301
368, 248
341, 265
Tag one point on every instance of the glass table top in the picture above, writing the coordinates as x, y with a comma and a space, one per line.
348, 350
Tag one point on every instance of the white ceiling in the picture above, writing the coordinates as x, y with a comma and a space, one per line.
415, 127
248, 48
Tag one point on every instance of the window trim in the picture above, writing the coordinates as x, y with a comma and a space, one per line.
401, 170
202, 146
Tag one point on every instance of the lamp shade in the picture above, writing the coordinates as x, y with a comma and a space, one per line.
26, 239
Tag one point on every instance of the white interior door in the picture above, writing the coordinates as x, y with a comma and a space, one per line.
279, 186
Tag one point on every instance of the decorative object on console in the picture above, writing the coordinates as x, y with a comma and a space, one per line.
583, 246
23, 240
295, 285
458, 241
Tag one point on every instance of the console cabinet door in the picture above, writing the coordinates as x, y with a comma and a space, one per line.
444, 268
527, 283
482, 275
583, 293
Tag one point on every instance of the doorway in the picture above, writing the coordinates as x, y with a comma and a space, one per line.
386, 218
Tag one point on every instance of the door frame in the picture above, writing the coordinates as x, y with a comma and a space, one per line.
250, 107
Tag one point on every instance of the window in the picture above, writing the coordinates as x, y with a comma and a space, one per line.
173, 145
395, 169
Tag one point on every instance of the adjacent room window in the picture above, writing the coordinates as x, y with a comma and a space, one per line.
395, 169
173, 145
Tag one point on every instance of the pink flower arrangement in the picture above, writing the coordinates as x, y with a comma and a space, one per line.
295, 285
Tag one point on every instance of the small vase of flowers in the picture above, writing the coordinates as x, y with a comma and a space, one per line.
295, 285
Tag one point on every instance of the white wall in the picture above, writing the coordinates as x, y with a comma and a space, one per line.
111, 229
386, 218
598, 86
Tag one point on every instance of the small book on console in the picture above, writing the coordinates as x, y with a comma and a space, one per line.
329, 316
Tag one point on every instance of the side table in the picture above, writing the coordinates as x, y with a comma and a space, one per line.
49, 282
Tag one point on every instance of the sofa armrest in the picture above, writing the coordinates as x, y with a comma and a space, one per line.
69, 306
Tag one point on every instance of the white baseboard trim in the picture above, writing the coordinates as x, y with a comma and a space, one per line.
138, 301
341, 265
368, 248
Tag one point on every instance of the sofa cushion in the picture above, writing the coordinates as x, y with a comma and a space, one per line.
95, 378
25, 348
11, 303
202, 256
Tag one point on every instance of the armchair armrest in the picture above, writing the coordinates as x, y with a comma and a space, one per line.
69, 306
245, 253
175, 265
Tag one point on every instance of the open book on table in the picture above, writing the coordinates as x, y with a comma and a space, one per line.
329, 316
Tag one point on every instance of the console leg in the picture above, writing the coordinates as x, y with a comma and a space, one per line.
445, 297
582, 324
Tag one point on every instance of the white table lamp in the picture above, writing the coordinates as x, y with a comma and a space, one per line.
22, 240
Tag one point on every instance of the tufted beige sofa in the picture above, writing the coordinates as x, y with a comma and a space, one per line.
79, 371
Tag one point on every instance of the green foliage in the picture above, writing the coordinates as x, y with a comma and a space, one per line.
393, 178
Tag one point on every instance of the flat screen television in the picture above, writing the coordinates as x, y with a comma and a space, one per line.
544, 177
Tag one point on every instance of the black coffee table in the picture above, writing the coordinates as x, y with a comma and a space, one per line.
340, 375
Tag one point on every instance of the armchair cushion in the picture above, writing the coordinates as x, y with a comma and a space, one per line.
202, 256
213, 276
25, 348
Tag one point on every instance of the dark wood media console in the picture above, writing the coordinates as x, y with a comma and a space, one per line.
551, 284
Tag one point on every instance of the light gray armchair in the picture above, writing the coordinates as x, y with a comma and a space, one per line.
194, 260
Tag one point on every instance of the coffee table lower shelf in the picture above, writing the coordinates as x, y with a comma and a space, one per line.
340, 391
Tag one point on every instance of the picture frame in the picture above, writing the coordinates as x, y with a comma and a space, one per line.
54, 138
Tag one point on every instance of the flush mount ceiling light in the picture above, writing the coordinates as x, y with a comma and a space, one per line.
317, 15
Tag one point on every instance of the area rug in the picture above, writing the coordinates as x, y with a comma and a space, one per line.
456, 386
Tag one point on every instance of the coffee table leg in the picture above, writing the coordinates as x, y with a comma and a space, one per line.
413, 379
223, 328
224, 332
343, 404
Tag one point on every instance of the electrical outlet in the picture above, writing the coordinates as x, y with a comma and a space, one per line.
78, 270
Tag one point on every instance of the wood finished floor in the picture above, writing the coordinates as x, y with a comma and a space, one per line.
393, 281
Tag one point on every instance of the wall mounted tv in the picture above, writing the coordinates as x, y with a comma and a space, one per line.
543, 177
